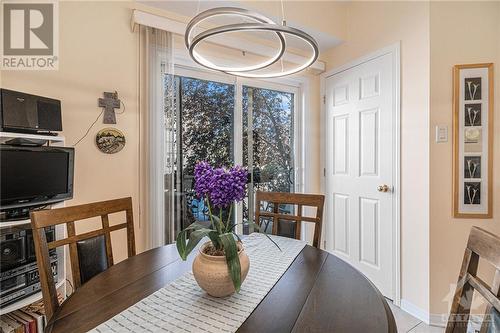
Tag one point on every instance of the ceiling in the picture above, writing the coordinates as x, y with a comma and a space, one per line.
190, 9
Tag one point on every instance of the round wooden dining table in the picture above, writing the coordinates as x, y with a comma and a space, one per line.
318, 293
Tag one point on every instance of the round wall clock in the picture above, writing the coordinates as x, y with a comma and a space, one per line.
110, 140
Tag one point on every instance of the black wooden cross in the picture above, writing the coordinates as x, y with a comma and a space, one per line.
110, 102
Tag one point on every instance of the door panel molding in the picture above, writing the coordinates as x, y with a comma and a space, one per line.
341, 215
341, 146
368, 161
369, 228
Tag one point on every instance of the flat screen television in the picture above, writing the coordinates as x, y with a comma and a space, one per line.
32, 176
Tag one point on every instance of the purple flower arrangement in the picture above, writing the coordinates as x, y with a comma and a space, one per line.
221, 186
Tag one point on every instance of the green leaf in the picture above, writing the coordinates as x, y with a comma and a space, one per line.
217, 223
181, 244
195, 226
232, 259
214, 237
237, 237
195, 237
269, 237
185, 247
257, 227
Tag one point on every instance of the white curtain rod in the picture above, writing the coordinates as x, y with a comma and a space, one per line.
160, 22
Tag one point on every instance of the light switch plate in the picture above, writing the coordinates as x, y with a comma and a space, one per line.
441, 133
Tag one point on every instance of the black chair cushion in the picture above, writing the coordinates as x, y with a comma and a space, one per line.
286, 228
92, 257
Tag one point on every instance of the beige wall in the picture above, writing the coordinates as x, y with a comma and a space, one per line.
461, 33
98, 52
326, 16
372, 26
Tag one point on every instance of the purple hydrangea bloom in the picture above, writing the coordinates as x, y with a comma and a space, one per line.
222, 186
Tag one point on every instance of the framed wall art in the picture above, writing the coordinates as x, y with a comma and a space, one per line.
473, 93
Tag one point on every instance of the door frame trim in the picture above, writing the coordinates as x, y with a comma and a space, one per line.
395, 51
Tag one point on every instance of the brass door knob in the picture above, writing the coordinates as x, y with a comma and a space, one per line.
383, 188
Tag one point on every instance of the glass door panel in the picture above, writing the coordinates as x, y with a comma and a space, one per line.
205, 117
268, 144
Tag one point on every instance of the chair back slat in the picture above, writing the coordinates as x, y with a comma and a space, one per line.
297, 199
107, 235
481, 245
69, 215
57, 216
275, 218
486, 245
73, 253
298, 223
130, 230
87, 235
284, 198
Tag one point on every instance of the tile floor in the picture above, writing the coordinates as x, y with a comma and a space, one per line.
406, 323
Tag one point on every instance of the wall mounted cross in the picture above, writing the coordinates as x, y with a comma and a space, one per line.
110, 102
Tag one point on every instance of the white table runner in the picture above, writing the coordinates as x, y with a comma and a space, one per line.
182, 306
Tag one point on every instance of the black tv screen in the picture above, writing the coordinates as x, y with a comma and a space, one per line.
35, 175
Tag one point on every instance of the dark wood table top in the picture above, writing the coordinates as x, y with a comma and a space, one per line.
318, 293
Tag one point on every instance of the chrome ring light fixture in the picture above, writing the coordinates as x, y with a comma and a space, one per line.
228, 11
262, 24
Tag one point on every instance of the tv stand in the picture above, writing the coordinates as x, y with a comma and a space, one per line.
17, 214
21, 219
51, 139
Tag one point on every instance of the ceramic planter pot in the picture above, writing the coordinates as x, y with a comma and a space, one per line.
212, 275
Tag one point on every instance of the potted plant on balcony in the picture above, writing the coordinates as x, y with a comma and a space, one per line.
221, 264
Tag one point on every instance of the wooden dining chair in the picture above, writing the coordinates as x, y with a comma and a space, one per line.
278, 217
481, 245
90, 252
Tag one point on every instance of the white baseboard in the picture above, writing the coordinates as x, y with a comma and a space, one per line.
439, 320
432, 319
415, 311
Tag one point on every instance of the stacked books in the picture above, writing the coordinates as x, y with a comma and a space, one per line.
26, 320
30, 319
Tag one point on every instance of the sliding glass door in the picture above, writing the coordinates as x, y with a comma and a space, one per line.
225, 123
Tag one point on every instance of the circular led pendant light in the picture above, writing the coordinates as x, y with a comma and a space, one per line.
261, 24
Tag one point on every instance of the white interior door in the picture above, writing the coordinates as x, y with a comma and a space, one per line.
361, 168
